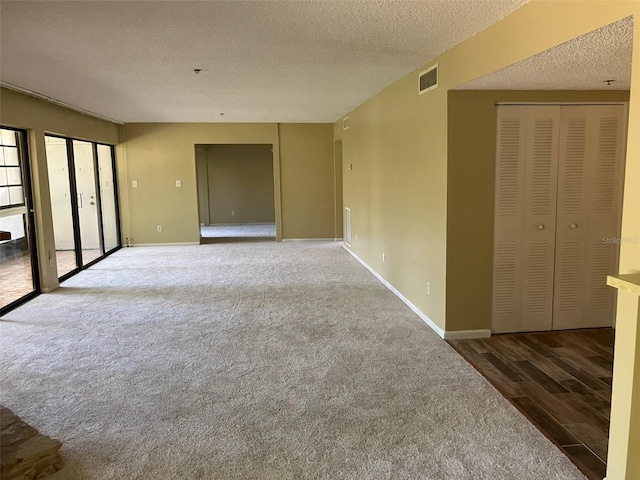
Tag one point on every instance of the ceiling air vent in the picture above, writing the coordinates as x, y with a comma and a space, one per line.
345, 123
428, 80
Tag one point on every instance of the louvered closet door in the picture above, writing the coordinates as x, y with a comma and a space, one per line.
589, 198
524, 235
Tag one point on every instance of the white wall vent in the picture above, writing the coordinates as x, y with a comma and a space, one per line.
345, 123
347, 226
428, 79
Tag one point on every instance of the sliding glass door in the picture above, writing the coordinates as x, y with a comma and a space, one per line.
84, 202
18, 262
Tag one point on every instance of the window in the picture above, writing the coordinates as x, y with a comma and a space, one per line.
11, 188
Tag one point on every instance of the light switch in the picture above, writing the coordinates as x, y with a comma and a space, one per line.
178, 183
134, 183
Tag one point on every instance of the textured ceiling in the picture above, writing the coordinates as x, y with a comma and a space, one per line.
262, 61
580, 64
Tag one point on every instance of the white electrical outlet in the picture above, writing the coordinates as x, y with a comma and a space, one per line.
159, 228
134, 183
233, 213
428, 288
178, 183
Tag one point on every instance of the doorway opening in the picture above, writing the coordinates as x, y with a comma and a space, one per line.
236, 192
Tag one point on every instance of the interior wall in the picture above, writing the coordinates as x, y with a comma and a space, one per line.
37, 117
337, 173
240, 184
471, 193
397, 143
306, 162
202, 184
157, 154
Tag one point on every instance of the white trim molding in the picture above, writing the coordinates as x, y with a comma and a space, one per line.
178, 244
311, 239
404, 299
466, 334
446, 335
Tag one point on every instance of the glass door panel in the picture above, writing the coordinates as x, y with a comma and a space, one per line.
18, 269
108, 198
85, 177
61, 204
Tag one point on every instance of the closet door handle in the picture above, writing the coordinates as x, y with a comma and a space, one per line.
540, 227
574, 226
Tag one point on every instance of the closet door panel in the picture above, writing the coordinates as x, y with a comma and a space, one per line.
573, 189
509, 206
541, 173
589, 198
526, 172
605, 204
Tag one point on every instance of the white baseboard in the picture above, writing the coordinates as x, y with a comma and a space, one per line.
447, 335
311, 239
415, 309
164, 244
466, 334
237, 224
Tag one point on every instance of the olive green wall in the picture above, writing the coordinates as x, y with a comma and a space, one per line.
397, 143
39, 117
239, 182
398, 188
307, 179
155, 155
470, 195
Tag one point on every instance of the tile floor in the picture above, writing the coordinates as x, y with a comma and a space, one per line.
560, 380
16, 279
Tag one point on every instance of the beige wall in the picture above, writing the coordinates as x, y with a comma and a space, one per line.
40, 117
397, 143
306, 163
157, 154
397, 190
239, 181
470, 195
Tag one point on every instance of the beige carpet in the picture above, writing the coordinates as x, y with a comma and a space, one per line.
254, 361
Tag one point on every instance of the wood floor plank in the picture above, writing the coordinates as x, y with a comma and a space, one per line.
561, 380
541, 378
593, 418
479, 346
540, 361
549, 340
579, 361
504, 367
607, 380
588, 461
591, 438
558, 409
598, 344
545, 421
602, 362
538, 347
578, 374
595, 401
498, 344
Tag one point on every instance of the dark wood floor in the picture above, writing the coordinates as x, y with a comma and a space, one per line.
560, 380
